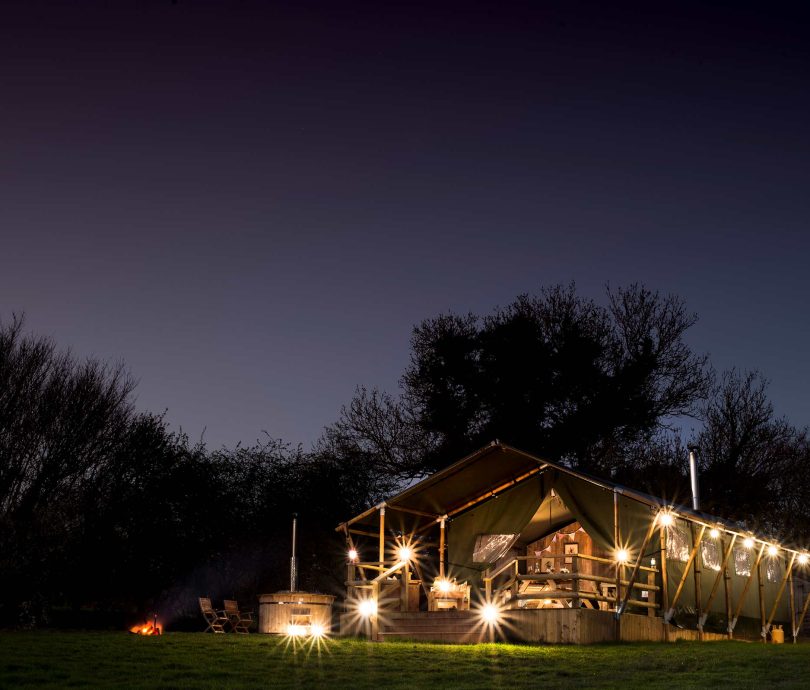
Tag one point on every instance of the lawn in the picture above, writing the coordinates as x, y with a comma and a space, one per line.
195, 660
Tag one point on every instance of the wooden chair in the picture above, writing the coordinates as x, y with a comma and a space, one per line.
240, 621
216, 619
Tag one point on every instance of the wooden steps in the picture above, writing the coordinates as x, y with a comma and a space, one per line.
456, 627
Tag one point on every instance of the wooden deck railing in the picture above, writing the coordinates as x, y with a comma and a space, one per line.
513, 589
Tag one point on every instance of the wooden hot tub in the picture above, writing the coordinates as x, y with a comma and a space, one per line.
283, 612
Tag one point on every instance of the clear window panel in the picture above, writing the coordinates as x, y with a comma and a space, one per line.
677, 543
742, 562
490, 547
710, 554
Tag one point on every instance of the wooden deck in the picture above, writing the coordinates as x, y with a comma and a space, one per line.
548, 626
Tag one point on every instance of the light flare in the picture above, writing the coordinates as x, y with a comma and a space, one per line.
367, 608
490, 613
443, 585
665, 518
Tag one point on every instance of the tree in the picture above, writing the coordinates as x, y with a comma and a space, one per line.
555, 374
376, 437
751, 461
61, 421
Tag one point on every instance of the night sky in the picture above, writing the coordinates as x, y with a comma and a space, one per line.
251, 203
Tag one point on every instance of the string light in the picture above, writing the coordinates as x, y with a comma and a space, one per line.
772, 551
622, 556
803, 558
714, 532
665, 518
405, 553
748, 543
352, 554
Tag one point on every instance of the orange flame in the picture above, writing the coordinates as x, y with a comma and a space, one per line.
147, 629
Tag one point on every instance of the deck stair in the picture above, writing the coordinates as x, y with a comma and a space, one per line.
435, 626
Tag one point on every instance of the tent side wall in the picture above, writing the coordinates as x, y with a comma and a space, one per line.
507, 513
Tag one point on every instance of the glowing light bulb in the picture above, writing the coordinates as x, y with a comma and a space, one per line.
296, 630
352, 554
367, 608
665, 518
622, 556
317, 630
772, 550
803, 558
490, 613
748, 543
443, 585
714, 532
405, 553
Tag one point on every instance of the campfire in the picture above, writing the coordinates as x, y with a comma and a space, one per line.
153, 628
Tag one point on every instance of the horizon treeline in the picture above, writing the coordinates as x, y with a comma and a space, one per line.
106, 515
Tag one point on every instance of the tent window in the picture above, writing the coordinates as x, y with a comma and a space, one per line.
773, 570
490, 547
742, 562
710, 554
677, 544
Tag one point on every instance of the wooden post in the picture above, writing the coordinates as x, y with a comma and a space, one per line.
671, 611
616, 547
620, 608
382, 535
804, 611
761, 588
575, 583
721, 574
727, 591
406, 585
664, 582
351, 570
741, 600
697, 570
441, 546
374, 619
779, 593
651, 594
792, 604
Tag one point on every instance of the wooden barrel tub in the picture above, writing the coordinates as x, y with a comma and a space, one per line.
283, 612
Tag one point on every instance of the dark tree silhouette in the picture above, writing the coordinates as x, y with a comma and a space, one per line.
377, 438
751, 460
555, 374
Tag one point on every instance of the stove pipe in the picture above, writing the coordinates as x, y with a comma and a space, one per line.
294, 560
693, 473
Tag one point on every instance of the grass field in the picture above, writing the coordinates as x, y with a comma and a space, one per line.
195, 660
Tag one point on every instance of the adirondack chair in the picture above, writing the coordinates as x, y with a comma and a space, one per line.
216, 620
240, 621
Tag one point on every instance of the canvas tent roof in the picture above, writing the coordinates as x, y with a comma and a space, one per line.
489, 472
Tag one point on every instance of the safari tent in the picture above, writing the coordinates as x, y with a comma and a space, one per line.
503, 544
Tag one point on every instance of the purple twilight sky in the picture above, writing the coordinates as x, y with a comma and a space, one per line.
251, 203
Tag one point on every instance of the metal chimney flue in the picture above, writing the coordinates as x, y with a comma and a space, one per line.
693, 473
294, 560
